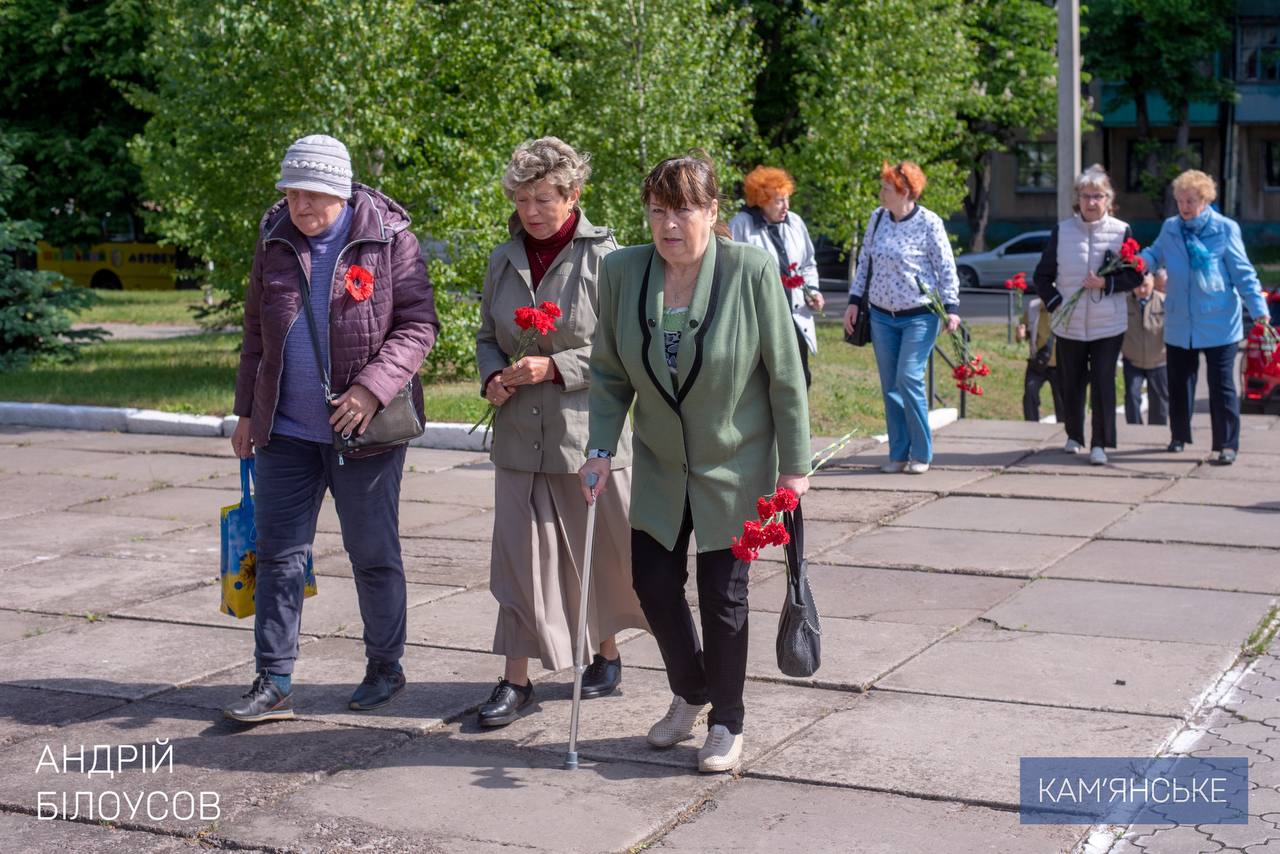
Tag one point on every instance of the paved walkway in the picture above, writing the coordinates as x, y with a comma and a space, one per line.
1014, 601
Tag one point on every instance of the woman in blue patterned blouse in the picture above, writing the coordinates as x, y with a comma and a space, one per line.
905, 247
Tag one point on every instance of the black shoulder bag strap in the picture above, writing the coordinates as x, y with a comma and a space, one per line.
865, 301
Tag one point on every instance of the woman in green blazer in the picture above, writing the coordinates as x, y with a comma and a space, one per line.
694, 331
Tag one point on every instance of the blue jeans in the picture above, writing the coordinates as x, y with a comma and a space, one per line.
902, 346
291, 478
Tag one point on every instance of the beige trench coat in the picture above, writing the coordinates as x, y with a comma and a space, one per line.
543, 427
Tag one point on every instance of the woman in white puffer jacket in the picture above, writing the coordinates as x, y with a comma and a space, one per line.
1088, 341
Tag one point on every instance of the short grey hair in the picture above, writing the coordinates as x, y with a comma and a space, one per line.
548, 158
1096, 177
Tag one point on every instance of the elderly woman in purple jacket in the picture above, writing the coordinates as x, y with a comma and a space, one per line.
347, 249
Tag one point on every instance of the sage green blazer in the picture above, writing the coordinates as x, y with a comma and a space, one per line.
717, 433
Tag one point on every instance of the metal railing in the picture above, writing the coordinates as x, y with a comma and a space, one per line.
1011, 300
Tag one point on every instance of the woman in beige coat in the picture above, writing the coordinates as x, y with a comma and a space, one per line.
540, 436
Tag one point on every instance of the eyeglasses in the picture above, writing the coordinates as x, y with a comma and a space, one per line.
1093, 197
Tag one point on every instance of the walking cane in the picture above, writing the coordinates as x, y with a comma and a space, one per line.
571, 759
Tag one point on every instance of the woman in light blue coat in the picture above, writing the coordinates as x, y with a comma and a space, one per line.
1207, 274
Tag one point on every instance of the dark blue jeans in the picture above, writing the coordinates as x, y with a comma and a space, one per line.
291, 478
1224, 403
1157, 380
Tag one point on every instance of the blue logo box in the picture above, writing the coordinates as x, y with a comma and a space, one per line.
1134, 790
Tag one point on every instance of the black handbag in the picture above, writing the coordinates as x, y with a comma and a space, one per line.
799, 644
861, 334
397, 423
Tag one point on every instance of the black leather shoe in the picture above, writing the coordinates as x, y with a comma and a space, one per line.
264, 702
1176, 447
382, 681
1226, 457
504, 703
601, 677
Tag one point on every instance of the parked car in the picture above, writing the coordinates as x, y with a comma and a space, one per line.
992, 269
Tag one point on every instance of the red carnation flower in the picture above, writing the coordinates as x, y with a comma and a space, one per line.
551, 309
764, 508
752, 535
358, 282
775, 534
743, 552
784, 501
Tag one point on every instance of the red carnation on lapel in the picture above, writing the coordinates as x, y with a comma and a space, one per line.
359, 283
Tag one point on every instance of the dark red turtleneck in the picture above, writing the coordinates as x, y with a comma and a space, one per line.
542, 252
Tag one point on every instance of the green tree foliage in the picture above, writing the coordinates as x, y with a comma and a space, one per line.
61, 107
1012, 96
650, 79
1165, 48
36, 308
882, 82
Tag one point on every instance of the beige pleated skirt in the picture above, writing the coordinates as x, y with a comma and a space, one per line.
539, 537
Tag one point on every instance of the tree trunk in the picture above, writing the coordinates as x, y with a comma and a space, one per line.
1151, 160
1181, 153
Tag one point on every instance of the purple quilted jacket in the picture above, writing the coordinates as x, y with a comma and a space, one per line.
379, 342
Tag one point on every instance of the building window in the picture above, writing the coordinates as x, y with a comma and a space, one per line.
1134, 160
1259, 59
1037, 166
1272, 148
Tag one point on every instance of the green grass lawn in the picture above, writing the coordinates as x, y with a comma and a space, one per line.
145, 308
196, 374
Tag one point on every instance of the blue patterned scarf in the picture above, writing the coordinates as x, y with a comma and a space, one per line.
1205, 273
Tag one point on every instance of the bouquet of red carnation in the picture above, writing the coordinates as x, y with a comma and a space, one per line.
967, 363
790, 278
1018, 284
1128, 259
532, 322
767, 529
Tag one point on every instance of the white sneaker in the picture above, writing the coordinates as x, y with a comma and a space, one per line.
893, 466
1097, 457
914, 467
1073, 447
676, 725
721, 752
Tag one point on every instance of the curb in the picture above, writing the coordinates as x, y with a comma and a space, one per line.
440, 435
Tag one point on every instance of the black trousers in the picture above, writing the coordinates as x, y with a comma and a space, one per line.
1157, 380
804, 357
1224, 402
1032, 382
717, 672
1089, 364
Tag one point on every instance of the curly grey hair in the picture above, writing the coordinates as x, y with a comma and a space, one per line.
548, 158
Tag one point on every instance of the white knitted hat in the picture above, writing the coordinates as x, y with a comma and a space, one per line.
318, 163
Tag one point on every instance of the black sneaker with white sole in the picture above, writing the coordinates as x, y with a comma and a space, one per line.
264, 702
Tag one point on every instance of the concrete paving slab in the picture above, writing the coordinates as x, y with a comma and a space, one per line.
1107, 674
459, 486
855, 653
433, 459
37, 493
63, 532
195, 546
128, 659
460, 563
1023, 431
613, 728
422, 799
843, 506
1183, 523
16, 625
334, 610
1082, 487
414, 516
1227, 493
48, 459
463, 621
158, 468
28, 712
126, 443
246, 766
1249, 466
1131, 611
864, 477
1015, 515
1172, 565
989, 454
177, 503
895, 596
77, 585
1121, 463
475, 524
441, 684
29, 835
980, 552
771, 817
952, 748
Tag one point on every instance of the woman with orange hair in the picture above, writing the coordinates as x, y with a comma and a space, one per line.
768, 222
905, 256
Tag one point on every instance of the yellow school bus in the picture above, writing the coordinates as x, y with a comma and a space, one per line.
111, 266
